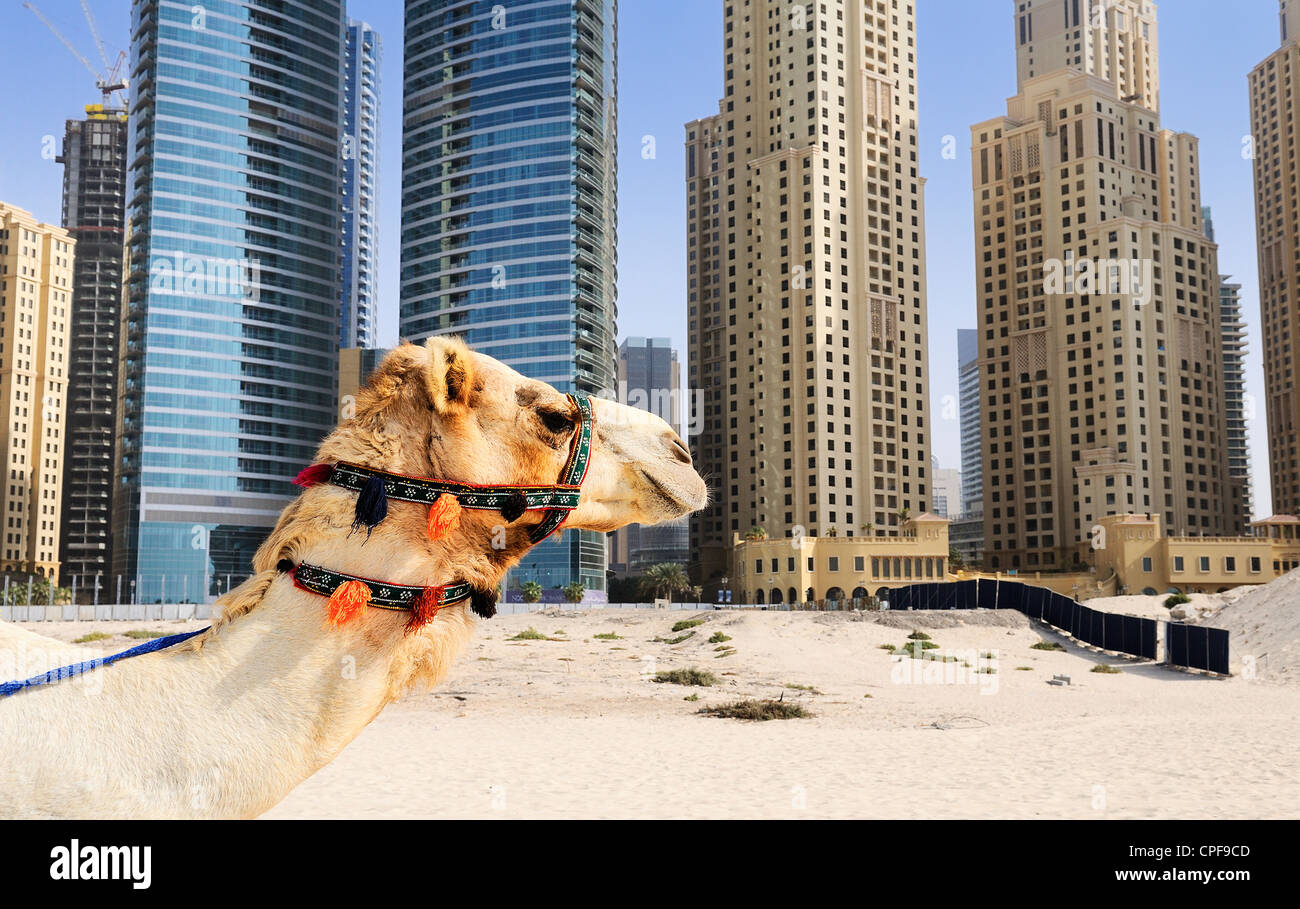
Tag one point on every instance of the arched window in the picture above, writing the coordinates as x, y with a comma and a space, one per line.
758, 596
776, 595
835, 593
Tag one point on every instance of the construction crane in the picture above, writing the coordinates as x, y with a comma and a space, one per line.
109, 81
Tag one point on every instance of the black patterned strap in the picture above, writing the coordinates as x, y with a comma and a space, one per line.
324, 582
425, 492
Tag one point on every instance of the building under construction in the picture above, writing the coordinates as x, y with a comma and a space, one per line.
94, 202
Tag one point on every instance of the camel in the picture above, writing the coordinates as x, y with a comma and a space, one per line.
225, 724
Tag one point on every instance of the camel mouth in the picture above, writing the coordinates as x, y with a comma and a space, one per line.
677, 502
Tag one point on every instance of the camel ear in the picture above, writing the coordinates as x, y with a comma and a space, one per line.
448, 373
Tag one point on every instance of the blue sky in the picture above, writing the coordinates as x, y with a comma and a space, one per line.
670, 71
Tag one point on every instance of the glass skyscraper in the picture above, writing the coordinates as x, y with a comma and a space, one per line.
508, 201
358, 325
231, 324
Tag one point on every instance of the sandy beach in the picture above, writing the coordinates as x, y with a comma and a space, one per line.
574, 727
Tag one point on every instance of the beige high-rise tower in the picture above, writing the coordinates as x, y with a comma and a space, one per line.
1114, 40
1101, 378
1274, 89
806, 269
36, 291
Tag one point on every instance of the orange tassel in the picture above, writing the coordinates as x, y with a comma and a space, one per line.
424, 608
444, 516
347, 601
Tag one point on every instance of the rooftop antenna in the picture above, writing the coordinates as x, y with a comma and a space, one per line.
108, 81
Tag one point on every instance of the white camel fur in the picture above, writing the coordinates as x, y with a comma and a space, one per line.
225, 725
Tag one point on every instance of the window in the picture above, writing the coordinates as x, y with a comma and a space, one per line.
835, 563
1178, 563
1203, 563
1254, 565
1146, 564
1229, 564
859, 563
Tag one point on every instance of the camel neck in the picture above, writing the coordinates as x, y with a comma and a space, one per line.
223, 729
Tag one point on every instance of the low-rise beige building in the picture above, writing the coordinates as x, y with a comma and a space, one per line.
807, 569
1143, 559
36, 295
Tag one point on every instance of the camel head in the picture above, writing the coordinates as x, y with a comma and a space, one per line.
441, 410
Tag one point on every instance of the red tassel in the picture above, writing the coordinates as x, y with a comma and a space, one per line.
314, 475
347, 602
424, 608
444, 516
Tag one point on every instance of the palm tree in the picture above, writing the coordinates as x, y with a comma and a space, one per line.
664, 579
756, 534
531, 591
903, 514
573, 593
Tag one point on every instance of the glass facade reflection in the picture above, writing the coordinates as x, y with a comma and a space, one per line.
230, 350
508, 201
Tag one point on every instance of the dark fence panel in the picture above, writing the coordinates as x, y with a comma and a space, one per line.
925, 596
1054, 611
1218, 650
1148, 646
1011, 595
988, 593
1198, 647
902, 598
1082, 623
947, 596
1114, 633
1176, 642
1032, 603
967, 595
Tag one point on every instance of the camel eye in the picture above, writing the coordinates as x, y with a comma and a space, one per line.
556, 421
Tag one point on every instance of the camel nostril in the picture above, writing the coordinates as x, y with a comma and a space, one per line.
678, 448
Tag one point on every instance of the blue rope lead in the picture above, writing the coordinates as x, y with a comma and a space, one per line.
67, 672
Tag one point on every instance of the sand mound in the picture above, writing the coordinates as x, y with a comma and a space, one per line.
988, 618
1265, 627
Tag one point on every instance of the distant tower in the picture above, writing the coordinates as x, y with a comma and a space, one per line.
363, 55
968, 383
649, 378
1235, 348
1274, 88
94, 213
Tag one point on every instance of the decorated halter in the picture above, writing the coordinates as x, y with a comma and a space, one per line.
446, 498
349, 595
